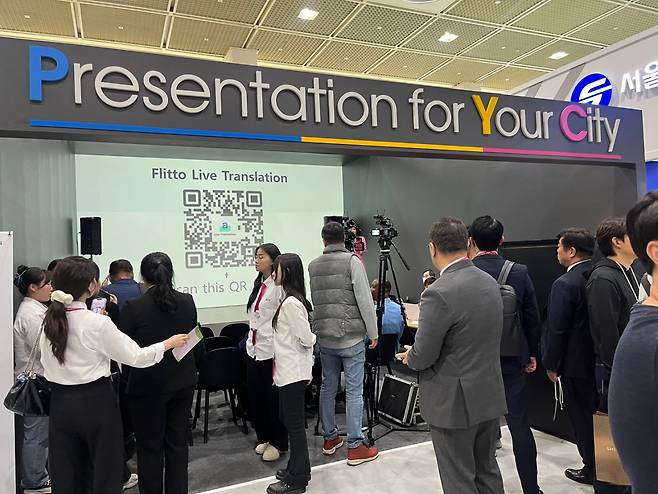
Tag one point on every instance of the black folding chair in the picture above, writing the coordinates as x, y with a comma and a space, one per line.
207, 332
217, 342
221, 370
236, 332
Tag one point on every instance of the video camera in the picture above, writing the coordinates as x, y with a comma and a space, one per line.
354, 241
386, 231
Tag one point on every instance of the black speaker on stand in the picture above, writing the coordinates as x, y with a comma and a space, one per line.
90, 236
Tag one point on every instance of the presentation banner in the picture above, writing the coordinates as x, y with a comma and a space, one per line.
7, 459
209, 216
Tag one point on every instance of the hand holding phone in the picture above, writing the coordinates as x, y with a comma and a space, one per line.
98, 305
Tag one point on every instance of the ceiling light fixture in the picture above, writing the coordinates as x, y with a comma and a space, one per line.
120, 28
308, 14
448, 37
558, 55
379, 28
497, 2
205, 39
27, 16
503, 47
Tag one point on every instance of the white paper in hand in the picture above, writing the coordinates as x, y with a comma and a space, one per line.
194, 337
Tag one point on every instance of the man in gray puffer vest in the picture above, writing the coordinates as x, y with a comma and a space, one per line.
343, 314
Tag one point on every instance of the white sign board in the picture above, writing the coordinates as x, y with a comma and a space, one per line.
7, 463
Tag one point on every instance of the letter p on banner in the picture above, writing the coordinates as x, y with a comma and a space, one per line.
39, 75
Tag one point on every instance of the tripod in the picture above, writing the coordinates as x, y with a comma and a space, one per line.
373, 370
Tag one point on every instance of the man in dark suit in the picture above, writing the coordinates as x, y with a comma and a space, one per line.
486, 237
457, 352
567, 350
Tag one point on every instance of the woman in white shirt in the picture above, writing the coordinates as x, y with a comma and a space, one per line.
293, 363
34, 285
263, 397
86, 441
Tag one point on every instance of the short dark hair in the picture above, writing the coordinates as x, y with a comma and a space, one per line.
642, 224
613, 227
580, 239
486, 232
333, 233
449, 235
120, 266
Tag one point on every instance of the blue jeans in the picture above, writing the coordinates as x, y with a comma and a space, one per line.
353, 361
35, 452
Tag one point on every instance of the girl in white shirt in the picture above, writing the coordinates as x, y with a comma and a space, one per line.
34, 285
263, 397
86, 441
293, 362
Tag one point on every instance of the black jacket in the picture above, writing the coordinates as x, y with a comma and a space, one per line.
609, 302
146, 323
568, 348
519, 279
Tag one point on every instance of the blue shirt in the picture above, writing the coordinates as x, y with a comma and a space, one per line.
392, 322
124, 290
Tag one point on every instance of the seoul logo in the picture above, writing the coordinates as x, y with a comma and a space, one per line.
594, 89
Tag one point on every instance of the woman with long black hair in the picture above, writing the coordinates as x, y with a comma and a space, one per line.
86, 441
34, 285
160, 397
263, 397
293, 364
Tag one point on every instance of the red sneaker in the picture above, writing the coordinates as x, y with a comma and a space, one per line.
330, 447
362, 454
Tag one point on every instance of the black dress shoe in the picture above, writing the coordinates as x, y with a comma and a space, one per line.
282, 488
281, 474
582, 476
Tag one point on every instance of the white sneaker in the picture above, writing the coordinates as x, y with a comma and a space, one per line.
131, 482
44, 489
260, 449
271, 454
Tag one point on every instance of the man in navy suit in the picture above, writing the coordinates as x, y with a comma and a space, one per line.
567, 349
486, 237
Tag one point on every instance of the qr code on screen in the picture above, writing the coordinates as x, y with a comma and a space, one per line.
223, 228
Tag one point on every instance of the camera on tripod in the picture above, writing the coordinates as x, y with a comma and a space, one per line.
354, 241
386, 231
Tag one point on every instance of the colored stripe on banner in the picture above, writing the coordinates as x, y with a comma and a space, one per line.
139, 129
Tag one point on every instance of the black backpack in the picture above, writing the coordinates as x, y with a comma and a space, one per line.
510, 343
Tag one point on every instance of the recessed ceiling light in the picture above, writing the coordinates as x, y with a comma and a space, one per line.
507, 78
308, 14
558, 55
120, 28
459, 73
448, 37
379, 28
615, 28
206, 39
503, 47
405, 66
280, 49
27, 16
497, 2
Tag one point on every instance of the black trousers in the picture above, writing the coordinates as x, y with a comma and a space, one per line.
580, 405
264, 404
523, 442
86, 439
161, 430
292, 411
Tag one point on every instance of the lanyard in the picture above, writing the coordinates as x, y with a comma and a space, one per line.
73, 310
263, 288
628, 280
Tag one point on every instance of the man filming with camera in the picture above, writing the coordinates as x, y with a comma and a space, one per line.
342, 317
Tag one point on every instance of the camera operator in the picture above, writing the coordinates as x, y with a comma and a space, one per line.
343, 315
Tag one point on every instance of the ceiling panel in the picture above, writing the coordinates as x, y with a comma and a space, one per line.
505, 46
459, 71
348, 57
145, 4
564, 15
575, 51
330, 14
279, 47
509, 78
122, 25
648, 3
496, 11
37, 16
206, 37
229, 10
428, 39
408, 65
381, 25
618, 26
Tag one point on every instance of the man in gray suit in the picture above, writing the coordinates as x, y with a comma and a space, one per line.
457, 350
